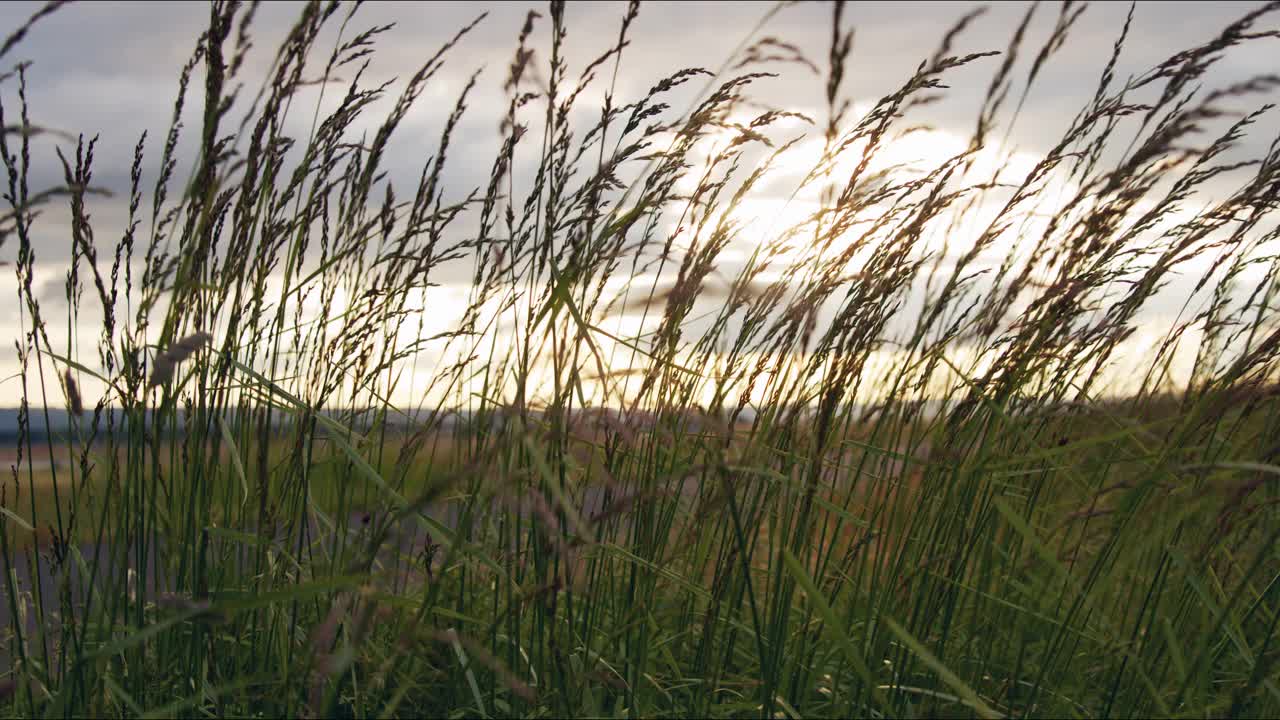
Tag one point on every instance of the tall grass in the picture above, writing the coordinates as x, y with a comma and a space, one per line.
881, 467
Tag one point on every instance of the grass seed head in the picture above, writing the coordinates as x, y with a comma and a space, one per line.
73, 394
165, 362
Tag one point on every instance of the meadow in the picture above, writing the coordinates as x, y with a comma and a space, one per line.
922, 450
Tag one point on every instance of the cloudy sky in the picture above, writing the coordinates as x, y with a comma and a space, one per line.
111, 69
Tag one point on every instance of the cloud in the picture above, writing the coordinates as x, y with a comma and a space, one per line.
112, 69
